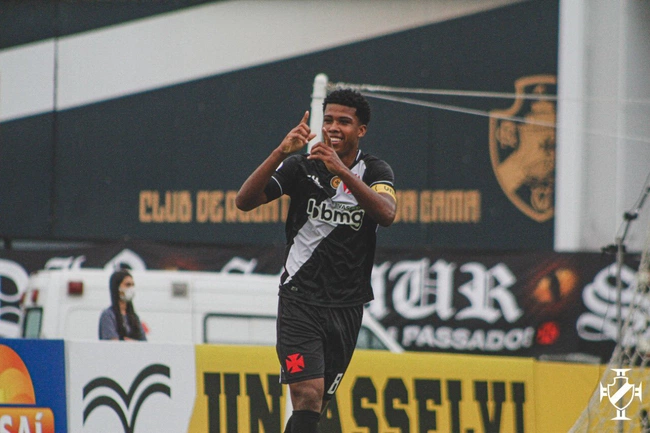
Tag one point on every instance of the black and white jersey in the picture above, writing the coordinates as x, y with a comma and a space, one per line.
330, 239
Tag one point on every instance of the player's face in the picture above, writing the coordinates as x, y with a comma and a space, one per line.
343, 127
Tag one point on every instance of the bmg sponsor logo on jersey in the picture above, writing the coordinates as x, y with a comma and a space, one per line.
336, 214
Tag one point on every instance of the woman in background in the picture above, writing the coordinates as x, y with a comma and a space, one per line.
128, 327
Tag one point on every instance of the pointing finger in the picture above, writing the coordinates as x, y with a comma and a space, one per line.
326, 138
305, 117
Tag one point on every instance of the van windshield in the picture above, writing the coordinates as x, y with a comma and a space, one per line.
260, 330
32, 322
239, 329
368, 340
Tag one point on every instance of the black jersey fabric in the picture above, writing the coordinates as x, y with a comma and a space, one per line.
330, 239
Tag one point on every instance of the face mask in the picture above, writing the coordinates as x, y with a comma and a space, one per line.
127, 294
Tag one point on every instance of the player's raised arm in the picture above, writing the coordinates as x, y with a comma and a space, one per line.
251, 194
378, 202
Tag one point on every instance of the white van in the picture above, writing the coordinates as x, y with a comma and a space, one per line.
174, 306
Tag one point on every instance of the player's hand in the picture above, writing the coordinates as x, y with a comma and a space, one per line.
323, 151
298, 137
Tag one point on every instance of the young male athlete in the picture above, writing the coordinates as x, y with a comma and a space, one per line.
339, 195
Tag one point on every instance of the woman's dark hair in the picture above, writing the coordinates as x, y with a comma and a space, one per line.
353, 99
134, 321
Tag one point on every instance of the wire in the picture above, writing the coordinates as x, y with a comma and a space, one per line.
440, 92
633, 213
379, 92
456, 109
477, 94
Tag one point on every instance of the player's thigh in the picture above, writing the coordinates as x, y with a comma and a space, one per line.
342, 334
299, 344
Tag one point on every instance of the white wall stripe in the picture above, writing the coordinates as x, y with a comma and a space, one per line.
199, 42
27, 80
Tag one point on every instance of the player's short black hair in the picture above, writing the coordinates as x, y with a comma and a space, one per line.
350, 98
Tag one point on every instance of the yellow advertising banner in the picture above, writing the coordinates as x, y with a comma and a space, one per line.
562, 392
386, 392
238, 390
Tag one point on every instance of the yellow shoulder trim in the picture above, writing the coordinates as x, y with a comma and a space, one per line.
384, 189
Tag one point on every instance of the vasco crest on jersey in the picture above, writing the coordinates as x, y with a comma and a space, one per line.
335, 182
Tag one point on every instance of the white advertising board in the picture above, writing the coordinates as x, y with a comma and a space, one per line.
130, 387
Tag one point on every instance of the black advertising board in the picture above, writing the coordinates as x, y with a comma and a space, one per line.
165, 164
554, 305
542, 305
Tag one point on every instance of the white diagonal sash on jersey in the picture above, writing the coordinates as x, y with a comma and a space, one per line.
314, 231
305, 242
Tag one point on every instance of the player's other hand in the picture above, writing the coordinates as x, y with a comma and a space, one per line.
298, 137
324, 151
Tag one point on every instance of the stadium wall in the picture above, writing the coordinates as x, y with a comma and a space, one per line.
48, 68
121, 121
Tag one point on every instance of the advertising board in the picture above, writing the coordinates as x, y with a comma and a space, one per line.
32, 386
131, 387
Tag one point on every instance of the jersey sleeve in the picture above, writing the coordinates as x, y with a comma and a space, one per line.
282, 181
380, 178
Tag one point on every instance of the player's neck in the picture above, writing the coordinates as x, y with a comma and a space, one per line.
349, 158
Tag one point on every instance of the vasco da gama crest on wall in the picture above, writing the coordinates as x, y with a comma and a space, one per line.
522, 146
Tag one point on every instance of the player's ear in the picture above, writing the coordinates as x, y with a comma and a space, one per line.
362, 131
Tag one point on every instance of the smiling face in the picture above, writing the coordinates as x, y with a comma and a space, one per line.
344, 128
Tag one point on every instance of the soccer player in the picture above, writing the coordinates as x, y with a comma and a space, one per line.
339, 195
